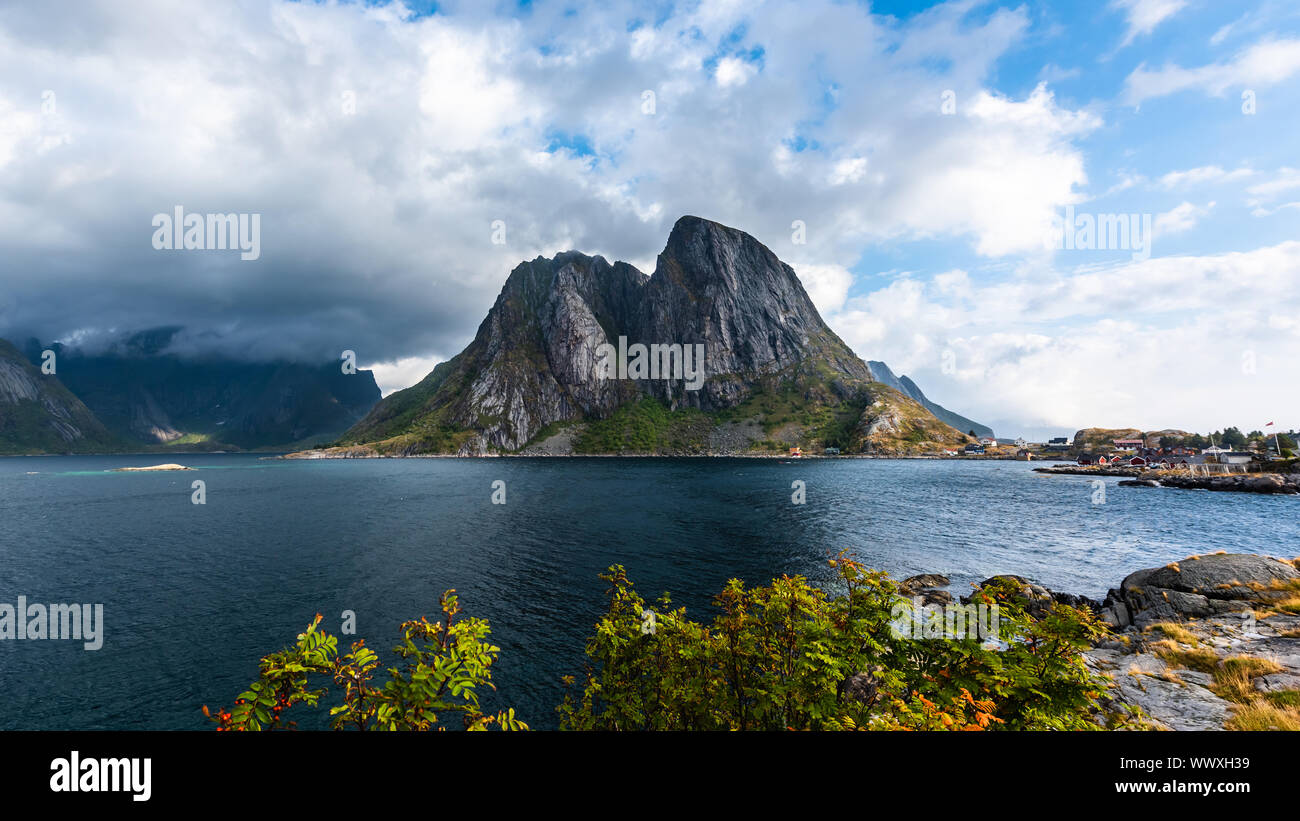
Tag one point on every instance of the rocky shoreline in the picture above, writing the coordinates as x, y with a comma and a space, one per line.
366, 452
1207, 643
1261, 482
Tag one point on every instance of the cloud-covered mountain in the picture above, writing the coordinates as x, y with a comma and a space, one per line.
149, 396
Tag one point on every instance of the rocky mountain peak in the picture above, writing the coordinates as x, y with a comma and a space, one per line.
539, 357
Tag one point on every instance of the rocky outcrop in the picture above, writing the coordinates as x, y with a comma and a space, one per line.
1206, 643
1090, 439
1199, 586
537, 360
910, 389
1139, 483
894, 425
928, 586
1286, 484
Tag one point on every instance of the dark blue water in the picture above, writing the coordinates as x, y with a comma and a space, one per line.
195, 595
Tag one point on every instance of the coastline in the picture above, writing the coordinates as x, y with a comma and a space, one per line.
324, 454
1266, 482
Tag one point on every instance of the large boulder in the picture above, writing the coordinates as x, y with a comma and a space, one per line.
1200, 586
927, 586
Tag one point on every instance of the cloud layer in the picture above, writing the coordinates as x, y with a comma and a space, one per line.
379, 149
386, 151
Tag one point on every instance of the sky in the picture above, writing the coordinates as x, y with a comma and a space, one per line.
913, 162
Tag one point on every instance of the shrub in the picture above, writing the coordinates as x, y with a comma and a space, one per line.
788, 656
445, 664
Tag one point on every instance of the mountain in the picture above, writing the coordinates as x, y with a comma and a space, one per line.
39, 415
152, 398
909, 388
540, 375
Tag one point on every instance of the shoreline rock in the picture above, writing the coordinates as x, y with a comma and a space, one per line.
1198, 586
1262, 482
1206, 643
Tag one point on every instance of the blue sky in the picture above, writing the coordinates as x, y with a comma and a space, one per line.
927, 149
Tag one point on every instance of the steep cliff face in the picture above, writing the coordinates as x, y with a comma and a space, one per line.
545, 357
39, 415
721, 287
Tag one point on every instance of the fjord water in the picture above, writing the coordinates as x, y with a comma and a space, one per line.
194, 595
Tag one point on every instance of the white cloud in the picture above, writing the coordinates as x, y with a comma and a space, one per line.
380, 148
1181, 218
402, 373
1142, 16
1133, 344
1261, 211
827, 285
1263, 64
733, 71
849, 170
1203, 174
1286, 179
1002, 180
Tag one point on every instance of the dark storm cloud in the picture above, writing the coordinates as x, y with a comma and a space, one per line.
379, 149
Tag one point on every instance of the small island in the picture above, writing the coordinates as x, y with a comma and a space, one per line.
168, 466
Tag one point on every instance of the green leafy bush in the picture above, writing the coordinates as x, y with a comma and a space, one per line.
783, 656
444, 665
787, 656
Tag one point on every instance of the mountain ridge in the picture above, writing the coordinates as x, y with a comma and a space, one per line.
905, 385
538, 365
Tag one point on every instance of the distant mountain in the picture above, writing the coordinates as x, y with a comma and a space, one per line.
39, 415
148, 397
909, 388
537, 377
